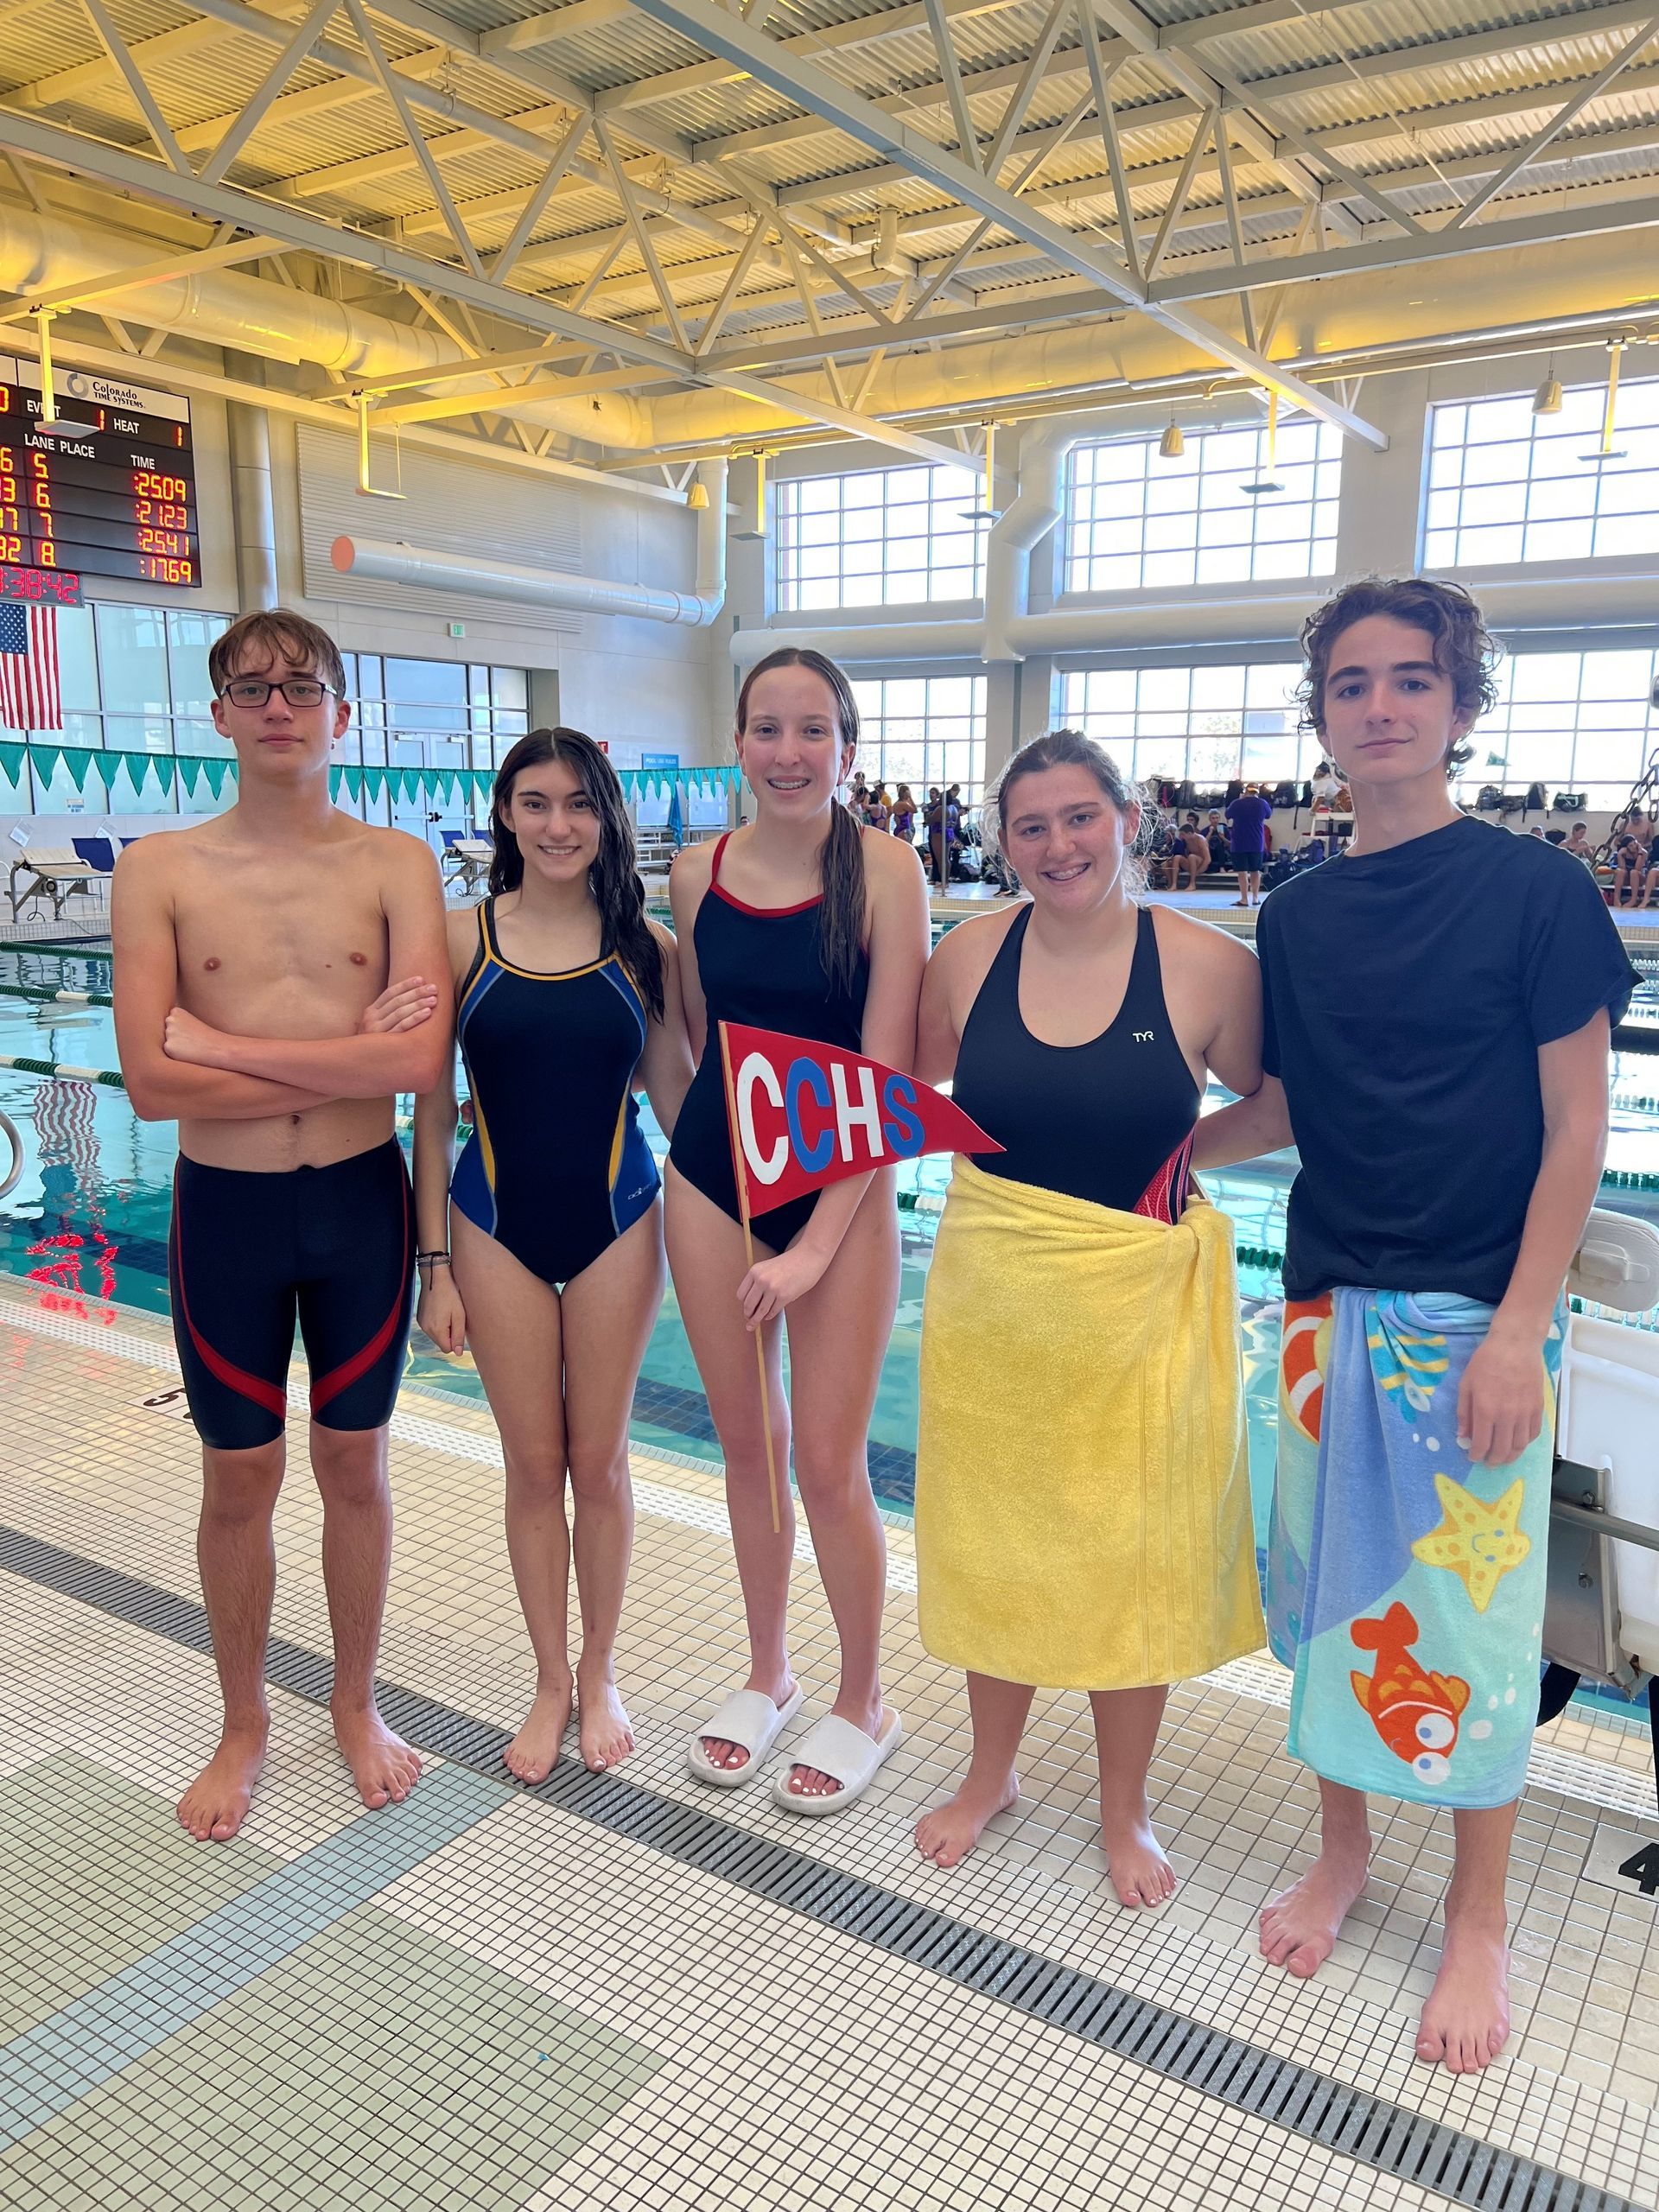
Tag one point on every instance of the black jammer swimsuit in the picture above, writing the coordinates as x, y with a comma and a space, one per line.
249, 1253
762, 966
1110, 1121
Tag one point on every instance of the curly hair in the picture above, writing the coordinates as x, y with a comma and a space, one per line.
1464, 649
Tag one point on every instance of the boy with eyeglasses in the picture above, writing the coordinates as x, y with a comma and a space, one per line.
253, 954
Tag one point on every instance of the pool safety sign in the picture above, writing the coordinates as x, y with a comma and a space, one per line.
1624, 1860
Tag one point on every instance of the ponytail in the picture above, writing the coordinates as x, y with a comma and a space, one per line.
841, 878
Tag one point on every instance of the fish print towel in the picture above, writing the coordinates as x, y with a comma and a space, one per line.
1405, 1583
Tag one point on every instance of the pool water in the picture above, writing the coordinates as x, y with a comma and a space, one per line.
87, 1224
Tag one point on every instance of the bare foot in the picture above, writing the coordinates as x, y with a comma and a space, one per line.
1299, 1928
810, 1781
606, 1732
1467, 2020
215, 1805
534, 1751
948, 1833
383, 1766
732, 1755
1140, 1873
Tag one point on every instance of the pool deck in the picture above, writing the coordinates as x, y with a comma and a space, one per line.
542, 2001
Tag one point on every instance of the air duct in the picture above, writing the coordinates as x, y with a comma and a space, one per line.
224, 307
433, 570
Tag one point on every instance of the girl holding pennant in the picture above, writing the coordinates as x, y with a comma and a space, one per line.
1089, 1528
568, 1001
807, 924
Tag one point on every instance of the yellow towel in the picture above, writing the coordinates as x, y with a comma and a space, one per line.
1083, 1499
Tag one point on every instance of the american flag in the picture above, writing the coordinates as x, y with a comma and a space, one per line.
30, 698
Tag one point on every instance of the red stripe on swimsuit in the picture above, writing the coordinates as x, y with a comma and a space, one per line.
271, 1395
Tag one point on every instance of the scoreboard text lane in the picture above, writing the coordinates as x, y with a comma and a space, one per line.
109, 491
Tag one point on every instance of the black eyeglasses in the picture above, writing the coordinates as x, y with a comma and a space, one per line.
254, 691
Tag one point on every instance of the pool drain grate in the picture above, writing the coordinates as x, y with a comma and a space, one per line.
1281, 2091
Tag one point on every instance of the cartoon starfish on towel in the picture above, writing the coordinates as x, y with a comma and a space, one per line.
1478, 1539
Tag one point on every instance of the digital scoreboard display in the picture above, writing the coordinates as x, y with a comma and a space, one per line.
108, 490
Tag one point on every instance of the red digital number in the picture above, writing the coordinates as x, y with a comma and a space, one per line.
162, 570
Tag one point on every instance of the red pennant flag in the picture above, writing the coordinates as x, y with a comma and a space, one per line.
802, 1115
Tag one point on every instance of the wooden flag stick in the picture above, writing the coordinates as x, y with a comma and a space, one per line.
741, 1166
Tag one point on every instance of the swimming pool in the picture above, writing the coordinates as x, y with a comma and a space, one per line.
87, 1226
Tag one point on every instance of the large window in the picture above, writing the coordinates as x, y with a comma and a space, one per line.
1199, 724
1507, 484
1134, 519
882, 537
1571, 721
922, 729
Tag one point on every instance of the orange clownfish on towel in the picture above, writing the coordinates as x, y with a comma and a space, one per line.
1414, 1713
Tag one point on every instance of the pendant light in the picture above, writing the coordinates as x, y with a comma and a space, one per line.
1264, 486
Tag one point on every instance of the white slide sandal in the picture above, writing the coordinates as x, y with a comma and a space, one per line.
836, 1747
749, 1718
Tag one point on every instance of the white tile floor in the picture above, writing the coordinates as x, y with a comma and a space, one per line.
91, 1471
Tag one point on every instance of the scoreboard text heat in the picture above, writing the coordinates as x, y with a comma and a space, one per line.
109, 491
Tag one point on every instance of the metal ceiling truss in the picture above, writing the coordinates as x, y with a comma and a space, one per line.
651, 289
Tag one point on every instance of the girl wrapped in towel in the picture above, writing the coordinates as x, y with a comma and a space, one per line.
1082, 1522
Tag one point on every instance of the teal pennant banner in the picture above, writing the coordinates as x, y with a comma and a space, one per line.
408, 786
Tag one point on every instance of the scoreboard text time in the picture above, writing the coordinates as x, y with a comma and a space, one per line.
109, 491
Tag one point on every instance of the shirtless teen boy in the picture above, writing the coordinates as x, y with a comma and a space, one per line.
253, 957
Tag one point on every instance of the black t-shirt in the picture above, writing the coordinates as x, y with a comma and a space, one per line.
1405, 994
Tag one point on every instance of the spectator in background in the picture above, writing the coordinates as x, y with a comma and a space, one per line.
902, 822
1631, 859
1579, 846
933, 823
1194, 860
1247, 832
879, 813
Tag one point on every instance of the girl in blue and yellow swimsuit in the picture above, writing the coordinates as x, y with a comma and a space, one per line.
542, 1254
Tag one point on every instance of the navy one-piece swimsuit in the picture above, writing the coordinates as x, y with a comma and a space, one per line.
1110, 1121
557, 1167
761, 966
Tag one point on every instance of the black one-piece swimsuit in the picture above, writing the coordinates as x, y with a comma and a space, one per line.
763, 967
1110, 1121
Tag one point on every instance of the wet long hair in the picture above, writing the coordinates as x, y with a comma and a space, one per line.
613, 877
841, 863
1072, 748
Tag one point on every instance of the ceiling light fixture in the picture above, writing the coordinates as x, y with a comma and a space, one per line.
1266, 485
1171, 445
985, 508
1605, 451
1546, 400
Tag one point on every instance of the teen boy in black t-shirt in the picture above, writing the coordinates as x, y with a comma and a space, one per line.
1437, 1004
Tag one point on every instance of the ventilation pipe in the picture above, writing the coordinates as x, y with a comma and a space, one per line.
224, 307
1019, 530
430, 570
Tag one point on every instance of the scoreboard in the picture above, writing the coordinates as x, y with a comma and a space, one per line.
110, 490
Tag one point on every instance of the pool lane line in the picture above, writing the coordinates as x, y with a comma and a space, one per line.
1368, 2130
